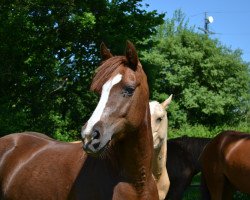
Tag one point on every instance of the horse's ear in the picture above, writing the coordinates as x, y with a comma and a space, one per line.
167, 102
105, 53
131, 55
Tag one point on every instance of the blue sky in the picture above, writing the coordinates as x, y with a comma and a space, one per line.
231, 19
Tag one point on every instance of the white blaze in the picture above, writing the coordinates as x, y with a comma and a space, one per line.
106, 88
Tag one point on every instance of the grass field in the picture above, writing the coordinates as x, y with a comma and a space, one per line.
193, 192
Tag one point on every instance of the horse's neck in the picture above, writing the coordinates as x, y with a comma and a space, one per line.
135, 155
159, 160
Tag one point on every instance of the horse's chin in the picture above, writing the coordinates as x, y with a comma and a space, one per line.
157, 142
107, 142
100, 152
156, 146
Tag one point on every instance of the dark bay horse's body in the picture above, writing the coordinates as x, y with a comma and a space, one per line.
183, 163
117, 139
226, 165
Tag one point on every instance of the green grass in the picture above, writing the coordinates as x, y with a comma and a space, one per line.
193, 191
241, 196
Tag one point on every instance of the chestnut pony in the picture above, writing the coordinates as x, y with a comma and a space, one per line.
226, 164
117, 140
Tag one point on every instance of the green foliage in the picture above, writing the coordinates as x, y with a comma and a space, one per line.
191, 131
49, 51
199, 130
193, 191
209, 82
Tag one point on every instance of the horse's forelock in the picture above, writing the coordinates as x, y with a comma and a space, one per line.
105, 71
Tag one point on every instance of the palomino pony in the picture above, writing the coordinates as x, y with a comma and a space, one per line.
117, 139
183, 163
226, 164
159, 124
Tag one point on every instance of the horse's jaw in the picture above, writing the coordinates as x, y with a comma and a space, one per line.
158, 141
159, 159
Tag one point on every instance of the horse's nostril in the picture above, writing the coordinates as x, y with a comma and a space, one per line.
96, 145
85, 146
96, 134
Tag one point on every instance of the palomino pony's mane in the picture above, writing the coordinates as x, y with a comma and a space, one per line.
104, 72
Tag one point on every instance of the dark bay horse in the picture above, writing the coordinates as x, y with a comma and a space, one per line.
183, 163
226, 164
117, 140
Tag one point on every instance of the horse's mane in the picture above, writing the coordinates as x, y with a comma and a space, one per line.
105, 71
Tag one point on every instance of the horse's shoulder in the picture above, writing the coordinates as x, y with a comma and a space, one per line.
228, 137
126, 191
232, 133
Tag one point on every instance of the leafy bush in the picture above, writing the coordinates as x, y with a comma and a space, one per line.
204, 131
209, 82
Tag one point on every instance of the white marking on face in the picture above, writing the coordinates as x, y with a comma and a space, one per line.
159, 128
106, 88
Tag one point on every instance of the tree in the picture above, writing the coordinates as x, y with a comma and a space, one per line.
209, 82
49, 51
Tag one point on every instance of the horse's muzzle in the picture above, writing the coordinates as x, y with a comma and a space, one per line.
91, 141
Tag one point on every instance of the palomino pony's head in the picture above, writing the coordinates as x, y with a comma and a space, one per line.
159, 121
123, 88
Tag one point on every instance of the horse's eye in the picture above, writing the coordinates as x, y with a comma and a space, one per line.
158, 120
128, 91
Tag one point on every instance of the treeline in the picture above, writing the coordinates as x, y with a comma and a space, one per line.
50, 50
210, 82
